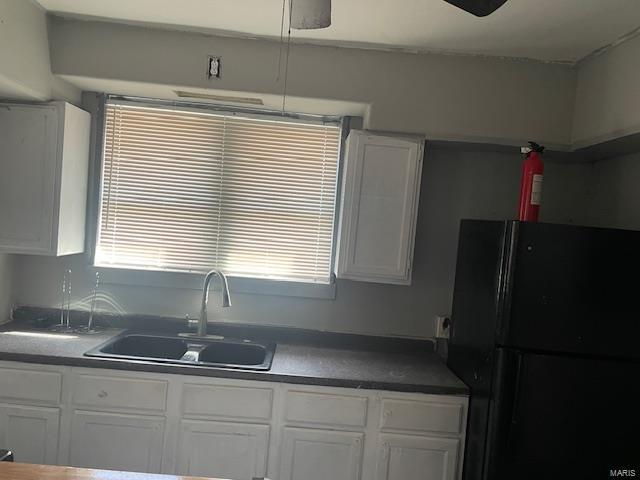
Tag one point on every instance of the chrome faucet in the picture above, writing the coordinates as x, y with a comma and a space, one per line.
226, 299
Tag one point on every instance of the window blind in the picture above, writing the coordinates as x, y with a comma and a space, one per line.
189, 190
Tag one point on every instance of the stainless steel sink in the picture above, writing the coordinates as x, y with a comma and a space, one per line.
196, 351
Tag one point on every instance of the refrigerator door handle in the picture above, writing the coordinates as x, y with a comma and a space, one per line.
505, 412
504, 280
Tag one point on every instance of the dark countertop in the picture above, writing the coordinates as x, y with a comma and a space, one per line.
351, 361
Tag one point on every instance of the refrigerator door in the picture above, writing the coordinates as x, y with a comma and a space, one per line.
565, 417
572, 289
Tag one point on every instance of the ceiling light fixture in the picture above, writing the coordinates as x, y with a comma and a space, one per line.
310, 14
479, 8
301, 15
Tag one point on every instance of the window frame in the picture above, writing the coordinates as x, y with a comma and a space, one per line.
192, 280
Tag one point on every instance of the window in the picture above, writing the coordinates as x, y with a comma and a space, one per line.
186, 189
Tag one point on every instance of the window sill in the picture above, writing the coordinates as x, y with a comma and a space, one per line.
193, 281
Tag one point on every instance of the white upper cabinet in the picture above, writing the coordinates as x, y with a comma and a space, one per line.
44, 157
381, 187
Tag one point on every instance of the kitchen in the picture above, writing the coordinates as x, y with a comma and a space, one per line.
353, 342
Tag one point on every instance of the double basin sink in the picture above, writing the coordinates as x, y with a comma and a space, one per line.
215, 352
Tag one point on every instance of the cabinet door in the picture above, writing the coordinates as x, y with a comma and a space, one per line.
420, 458
321, 455
28, 145
117, 441
379, 208
31, 433
223, 450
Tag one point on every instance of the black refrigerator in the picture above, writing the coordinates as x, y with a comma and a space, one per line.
545, 331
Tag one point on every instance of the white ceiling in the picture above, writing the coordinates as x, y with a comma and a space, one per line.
552, 30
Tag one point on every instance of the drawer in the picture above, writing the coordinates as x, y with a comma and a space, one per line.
227, 401
326, 409
30, 386
426, 416
120, 393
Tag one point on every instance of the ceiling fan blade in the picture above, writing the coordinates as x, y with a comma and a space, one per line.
479, 8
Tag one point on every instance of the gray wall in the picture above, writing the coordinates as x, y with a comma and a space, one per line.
25, 70
457, 183
616, 194
453, 97
607, 98
23, 35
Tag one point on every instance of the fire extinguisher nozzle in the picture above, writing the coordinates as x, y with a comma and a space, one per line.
536, 147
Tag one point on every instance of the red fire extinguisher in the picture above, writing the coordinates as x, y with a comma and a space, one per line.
531, 183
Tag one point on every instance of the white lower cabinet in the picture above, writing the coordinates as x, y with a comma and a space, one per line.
222, 449
321, 455
117, 441
30, 432
227, 428
401, 457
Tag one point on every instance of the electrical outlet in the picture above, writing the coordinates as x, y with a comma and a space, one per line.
213, 67
443, 324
